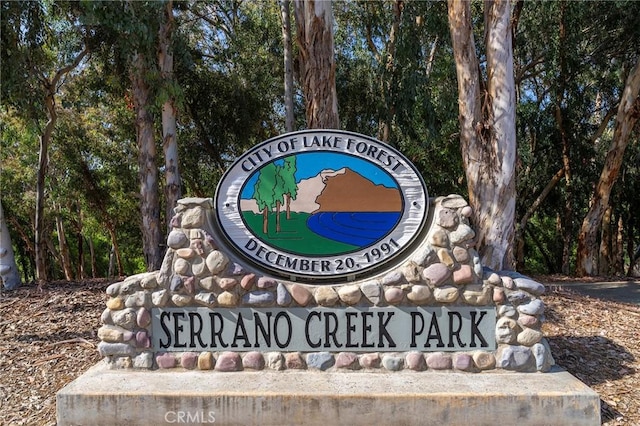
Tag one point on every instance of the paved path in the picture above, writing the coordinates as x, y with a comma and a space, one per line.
619, 291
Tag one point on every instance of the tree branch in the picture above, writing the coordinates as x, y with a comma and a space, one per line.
534, 206
372, 45
603, 125
64, 70
521, 74
515, 19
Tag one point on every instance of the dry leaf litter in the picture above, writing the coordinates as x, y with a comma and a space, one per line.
48, 338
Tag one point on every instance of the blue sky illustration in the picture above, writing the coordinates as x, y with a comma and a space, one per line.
312, 163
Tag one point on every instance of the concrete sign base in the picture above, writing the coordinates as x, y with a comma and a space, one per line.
104, 396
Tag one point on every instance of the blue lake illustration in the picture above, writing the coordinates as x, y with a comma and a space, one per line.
356, 228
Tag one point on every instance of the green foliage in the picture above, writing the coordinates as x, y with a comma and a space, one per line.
228, 87
287, 173
417, 94
38, 38
570, 62
544, 243
265, 192
232, 86
18, 153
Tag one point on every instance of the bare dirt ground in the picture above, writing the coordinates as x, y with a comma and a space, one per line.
48, 338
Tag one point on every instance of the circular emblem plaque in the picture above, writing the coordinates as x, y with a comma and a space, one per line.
321, 204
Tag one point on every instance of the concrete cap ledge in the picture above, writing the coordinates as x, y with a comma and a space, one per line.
104, 396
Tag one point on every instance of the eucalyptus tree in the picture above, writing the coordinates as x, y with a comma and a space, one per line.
97, 174
487, 126
18, 159
626, 118
137, 43
229, 64
314, 22
630, 184
395, 82
546, 77
571, 61
43, 44
376, 25
616, 47
8, 268
147, 166
171, 93
285, 13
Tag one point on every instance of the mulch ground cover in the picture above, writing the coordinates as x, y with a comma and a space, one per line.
48, 338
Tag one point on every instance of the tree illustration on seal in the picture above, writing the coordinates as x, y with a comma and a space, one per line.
264, 193
290, 187
276, 183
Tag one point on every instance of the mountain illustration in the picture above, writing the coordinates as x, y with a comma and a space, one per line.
308, 191
349, 191
340, 190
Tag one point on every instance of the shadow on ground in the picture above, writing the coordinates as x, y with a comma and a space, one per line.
593, 360
624, 291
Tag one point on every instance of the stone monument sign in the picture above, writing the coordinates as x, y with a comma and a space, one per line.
323, 285
322, 250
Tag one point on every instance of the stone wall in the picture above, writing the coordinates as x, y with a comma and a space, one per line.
443, 269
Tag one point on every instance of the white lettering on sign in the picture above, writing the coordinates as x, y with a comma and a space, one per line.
353, 329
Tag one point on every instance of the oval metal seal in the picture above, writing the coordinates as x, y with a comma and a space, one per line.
319, 204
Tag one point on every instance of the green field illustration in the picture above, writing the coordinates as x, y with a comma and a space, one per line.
294, 235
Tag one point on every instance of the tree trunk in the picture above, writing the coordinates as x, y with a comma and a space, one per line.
314, 20
632, 263
112, 262
26, 249
567, 219
278, 204
618, 258
55, 254
148, 171
390, 68
64, 246
80, 240
115, 249
605, 252
432, 57
8, 269
50, 87
549, 260
43, 165
289, 122
469, 93
626, 118
501, 184
172, 187
92, 253
522, 225
632, 253
488, 144
265, 221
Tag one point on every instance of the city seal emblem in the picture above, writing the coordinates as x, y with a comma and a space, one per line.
321, 204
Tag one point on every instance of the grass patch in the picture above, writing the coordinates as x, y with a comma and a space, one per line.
294, 236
